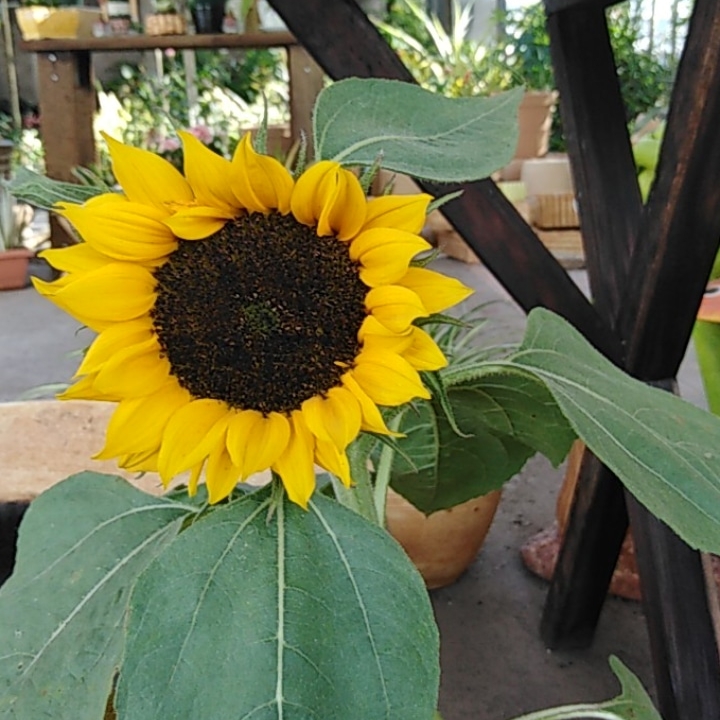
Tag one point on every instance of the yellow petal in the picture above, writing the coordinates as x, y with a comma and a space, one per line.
256, 441
437, 292
373, 333
372, 419
387, 378
332, 198
295, 466
84, 389
208, 174
190, 435
147, 178
394, 307
333, 460
335, 418
125, 231
75, 258
136, 371
116, 292
139, 462
198, 223
423, 353
113, 340
195, 478
137, 425
221, 474
401, 212
260, 183
385, 255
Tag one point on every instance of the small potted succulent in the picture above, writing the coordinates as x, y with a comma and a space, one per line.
166, 20
14, 256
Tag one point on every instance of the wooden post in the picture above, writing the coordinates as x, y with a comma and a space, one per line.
67, 106
306, 81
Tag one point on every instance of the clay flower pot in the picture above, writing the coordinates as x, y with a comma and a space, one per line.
14, 268
441, 545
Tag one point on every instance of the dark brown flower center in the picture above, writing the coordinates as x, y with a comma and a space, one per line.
261, 314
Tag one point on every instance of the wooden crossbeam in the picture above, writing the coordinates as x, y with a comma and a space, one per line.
649, 289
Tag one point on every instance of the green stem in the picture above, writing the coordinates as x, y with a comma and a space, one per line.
359, 497
383, 472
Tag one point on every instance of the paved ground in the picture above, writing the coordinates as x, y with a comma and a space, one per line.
494, 664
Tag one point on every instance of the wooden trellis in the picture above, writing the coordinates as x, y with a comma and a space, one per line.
647, 268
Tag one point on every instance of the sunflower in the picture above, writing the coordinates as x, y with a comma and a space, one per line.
246, 320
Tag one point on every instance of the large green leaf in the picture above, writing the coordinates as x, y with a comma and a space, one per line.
665, 450
508, 417
414, 131
82, 545
294, 616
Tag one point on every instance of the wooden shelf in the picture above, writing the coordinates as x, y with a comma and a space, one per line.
120, 43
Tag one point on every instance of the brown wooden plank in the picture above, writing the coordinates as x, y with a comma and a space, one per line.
610, 209
121, 43
684, 651
662, 284
678, 239
598, 143
595, 531
306, 82
345, 43
67, 105
553, 6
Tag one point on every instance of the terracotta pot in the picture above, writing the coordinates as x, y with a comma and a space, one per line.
441, 545
14, 268
534, 123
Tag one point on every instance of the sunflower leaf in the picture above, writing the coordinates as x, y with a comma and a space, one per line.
507, 417
82, 545
417, 132
42, 192
663, 449
235, 603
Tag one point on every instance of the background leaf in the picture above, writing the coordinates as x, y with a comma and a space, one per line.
509, 415
415, 131
665, 450
42, 192
308, 614
633, 703
82, 545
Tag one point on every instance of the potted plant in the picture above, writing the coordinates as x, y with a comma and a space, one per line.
14, 256
456, 451
166, 20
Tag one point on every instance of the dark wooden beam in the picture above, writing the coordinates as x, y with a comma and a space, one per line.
488, 222
602, 163
610, 209
678, 239
553, 6
682, 641
660, 288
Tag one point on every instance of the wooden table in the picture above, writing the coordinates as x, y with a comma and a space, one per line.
68, 101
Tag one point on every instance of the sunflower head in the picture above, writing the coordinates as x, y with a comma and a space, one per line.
246, 320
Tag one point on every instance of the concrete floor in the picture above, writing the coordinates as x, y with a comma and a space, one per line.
494, 665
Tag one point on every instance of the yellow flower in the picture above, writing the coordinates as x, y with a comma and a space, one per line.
246, 320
